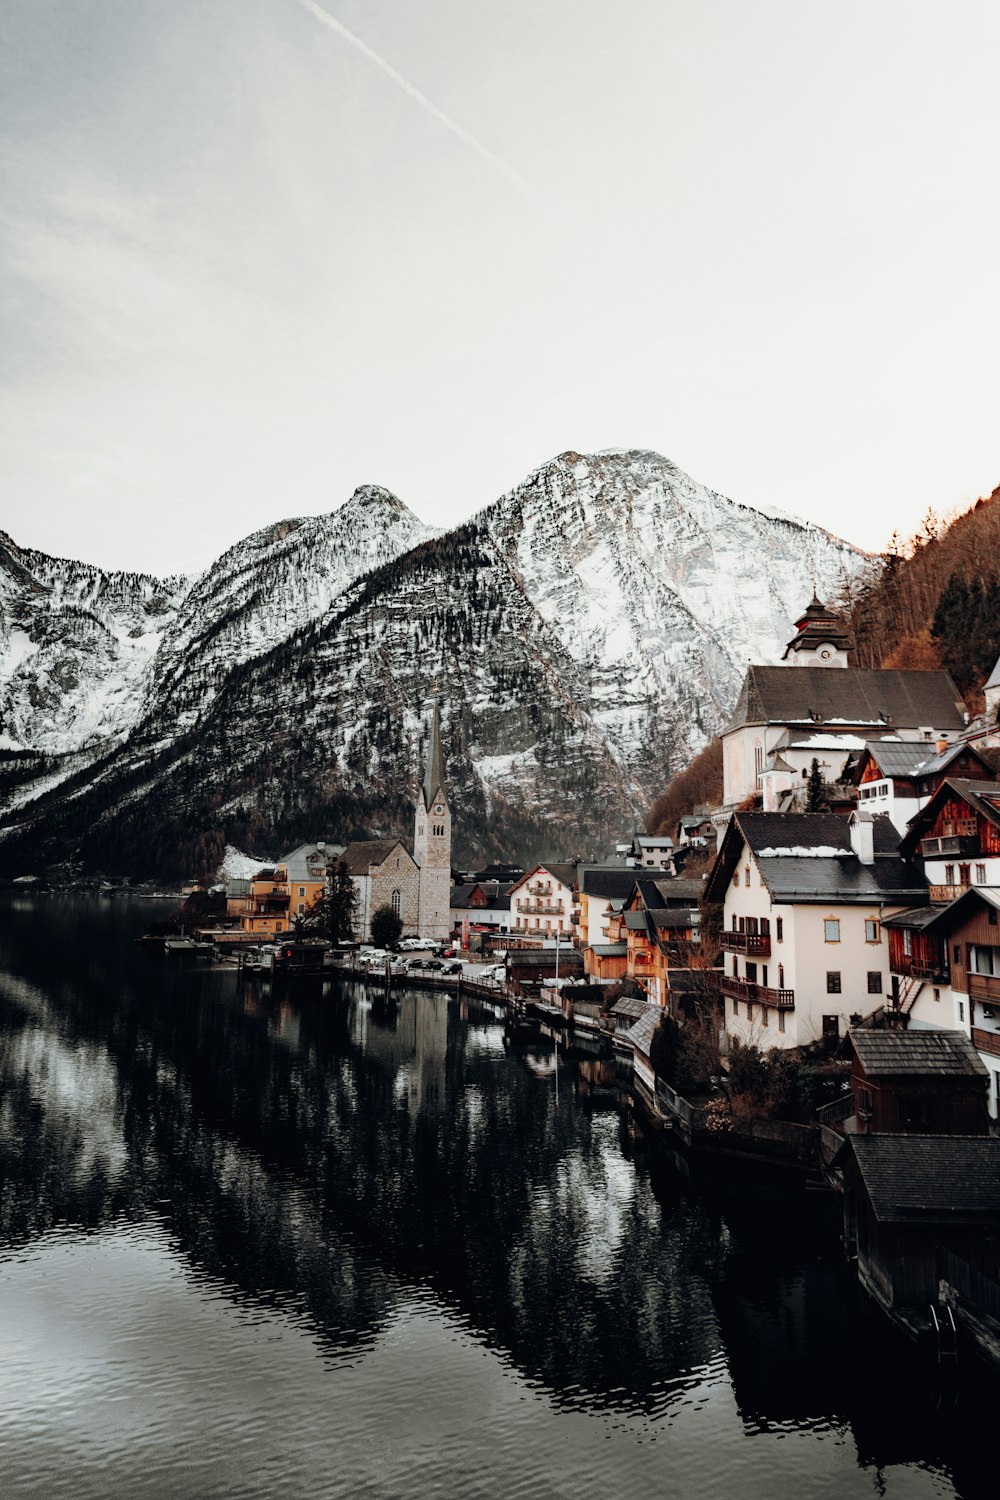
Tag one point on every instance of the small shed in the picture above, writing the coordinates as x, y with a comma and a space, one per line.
910, 1198
918, 1082
527, 968
625, 1013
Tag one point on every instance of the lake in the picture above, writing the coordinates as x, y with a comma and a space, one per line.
326, 1246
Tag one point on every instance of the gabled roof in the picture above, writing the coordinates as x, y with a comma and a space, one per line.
913, 760
310, 861
630, 1006
930, 1179
672, 919
848, 697
944, 920
982, 797
563, 870
365, 854
610, 950
808, 857
885, 1054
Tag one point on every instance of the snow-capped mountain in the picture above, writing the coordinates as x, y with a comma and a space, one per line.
588, 631
75, 645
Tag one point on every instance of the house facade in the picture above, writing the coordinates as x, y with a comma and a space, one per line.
543, 902
804, 898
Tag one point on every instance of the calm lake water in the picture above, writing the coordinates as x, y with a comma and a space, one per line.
324, 1248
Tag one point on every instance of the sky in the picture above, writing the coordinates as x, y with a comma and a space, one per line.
255, 253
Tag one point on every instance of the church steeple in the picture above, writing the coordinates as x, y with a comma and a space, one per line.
821, 639
432, 838
434, 787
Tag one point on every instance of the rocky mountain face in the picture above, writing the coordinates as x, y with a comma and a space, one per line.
588, 631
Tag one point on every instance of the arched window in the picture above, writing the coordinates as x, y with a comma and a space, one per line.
397, 903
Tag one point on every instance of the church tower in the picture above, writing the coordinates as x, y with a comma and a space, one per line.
821, 639
432, 840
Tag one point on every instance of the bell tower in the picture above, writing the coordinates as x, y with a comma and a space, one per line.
821, 638
432, 839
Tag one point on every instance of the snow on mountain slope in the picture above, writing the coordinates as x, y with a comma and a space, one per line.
75, 644
588, 631
658, 586
268, 586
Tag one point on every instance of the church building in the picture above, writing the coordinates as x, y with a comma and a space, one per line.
816, 705
432, 841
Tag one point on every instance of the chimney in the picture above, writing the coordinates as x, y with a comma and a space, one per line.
941, 746
863, 837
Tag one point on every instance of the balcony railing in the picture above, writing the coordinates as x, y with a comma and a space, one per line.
947, 845
756, 994
986, 1041
758, 943
984, 987
935, 970
941, 894
540, 909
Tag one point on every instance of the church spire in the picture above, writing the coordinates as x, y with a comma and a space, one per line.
434, 772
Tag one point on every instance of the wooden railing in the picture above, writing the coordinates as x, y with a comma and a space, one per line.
758, 943
986, 1041
940, 894
984, 987
756, 994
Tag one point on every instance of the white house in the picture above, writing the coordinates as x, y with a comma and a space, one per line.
543, 901
804, 898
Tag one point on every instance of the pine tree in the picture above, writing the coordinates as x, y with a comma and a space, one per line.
335, 912
815, 788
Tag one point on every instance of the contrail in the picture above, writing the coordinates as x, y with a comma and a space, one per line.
428, 104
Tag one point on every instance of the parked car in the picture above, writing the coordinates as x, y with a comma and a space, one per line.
495, 974
411, 945
451, 966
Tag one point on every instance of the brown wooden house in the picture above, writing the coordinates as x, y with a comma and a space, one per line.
917, 1082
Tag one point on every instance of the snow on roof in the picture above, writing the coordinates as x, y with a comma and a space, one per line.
803, 851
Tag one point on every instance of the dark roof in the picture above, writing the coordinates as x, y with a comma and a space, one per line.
942, 1053
641, 1034
610, 950
613, 881
817, 624
360, 856
684, 890
982, 797
947, 919
668, 920
848, 697
916, 918
807, 877
914, 758
460, 893
930, 1179
537, 958
635, 921
630, 1006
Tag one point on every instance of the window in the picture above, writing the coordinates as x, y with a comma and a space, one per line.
736, 923
957, 953
736, 967
781, 976
751, 972
871, 931
302, 890
746, 874
833, 981
781, 1020
763, 1015
736, 878
736, 1007
397, 902
980, 874
874, 982
831, 929
907, 942
961, 1011
963, 874
779, 928
949, 874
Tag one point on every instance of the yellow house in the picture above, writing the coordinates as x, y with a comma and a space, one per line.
266, 911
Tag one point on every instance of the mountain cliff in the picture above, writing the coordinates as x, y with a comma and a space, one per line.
588, 631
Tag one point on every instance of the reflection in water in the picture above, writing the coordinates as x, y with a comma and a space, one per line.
203, 1188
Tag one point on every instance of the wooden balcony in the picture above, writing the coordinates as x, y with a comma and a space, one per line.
948, 846
934, 970
756, 944
986, 1041
985, 987
940, 895
756, 994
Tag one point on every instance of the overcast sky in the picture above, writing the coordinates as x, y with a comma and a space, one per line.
252, 260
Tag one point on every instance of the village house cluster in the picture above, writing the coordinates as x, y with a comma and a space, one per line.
882, 902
